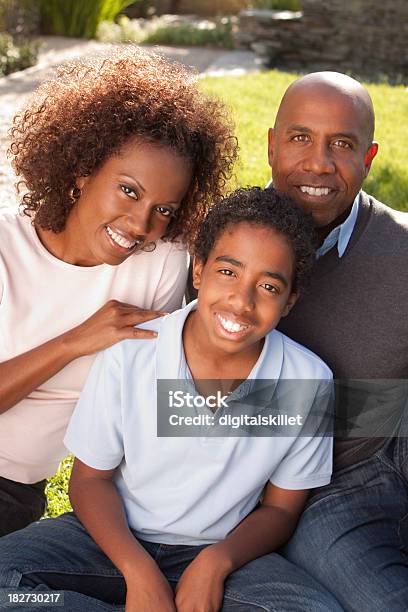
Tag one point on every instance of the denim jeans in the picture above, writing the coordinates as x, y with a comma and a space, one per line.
58, 554
20, 504
353, 534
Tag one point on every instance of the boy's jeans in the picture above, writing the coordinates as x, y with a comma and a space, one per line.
353, 535
58, 554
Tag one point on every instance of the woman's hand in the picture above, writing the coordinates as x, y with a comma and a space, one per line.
113, 322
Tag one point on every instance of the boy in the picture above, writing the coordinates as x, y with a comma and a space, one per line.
190, 511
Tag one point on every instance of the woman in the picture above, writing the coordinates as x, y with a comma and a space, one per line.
119, 160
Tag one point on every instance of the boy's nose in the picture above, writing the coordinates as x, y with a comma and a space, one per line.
242, 300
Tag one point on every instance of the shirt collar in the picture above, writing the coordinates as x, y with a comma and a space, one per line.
341, 234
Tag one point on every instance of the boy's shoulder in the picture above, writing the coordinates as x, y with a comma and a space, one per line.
300, 362
131, 347
146, 348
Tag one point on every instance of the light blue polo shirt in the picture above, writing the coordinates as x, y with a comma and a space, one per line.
190, 490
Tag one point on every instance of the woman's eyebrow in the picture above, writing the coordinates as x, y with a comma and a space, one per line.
132, 178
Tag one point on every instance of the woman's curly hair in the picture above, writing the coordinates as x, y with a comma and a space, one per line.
78, 120
265, 207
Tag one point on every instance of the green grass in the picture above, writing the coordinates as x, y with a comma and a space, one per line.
254, 100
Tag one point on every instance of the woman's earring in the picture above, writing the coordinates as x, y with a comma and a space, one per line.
75, 194
149, 247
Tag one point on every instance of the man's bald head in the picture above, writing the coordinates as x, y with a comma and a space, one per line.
327, 84
321, 147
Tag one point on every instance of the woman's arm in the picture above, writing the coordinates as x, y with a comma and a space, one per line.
261, 532
98, 506
113, 322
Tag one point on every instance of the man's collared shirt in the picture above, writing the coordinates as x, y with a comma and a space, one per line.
341, 234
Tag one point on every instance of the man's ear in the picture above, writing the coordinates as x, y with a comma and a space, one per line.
271, 143
369, 156
292, 299
198, 266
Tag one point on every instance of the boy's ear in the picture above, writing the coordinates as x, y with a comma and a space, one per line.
292, 299
197, 270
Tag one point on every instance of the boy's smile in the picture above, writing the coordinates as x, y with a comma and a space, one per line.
244, 289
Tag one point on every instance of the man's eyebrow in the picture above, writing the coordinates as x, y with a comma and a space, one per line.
132, 178
349, 135
298, 128
239, 264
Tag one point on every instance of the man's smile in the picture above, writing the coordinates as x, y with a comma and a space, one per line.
315, 191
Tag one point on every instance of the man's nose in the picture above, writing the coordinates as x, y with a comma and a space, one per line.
319, 160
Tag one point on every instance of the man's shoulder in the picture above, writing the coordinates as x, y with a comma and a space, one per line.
385, 214
300, 362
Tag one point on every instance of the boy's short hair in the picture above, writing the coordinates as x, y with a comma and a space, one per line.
264, 207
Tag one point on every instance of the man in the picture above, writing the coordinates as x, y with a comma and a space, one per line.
353, 535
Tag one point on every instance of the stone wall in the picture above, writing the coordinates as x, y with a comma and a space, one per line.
367, 37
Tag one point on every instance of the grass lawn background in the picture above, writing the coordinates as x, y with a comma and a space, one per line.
253, 100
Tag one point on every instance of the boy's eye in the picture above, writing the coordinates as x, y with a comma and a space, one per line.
129, 191
226, 272
166, 212
270, 288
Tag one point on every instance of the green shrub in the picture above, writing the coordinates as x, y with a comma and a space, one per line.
280, 5
20, 18
79, 18
15, 56
188, 34
169, 31
57, 489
